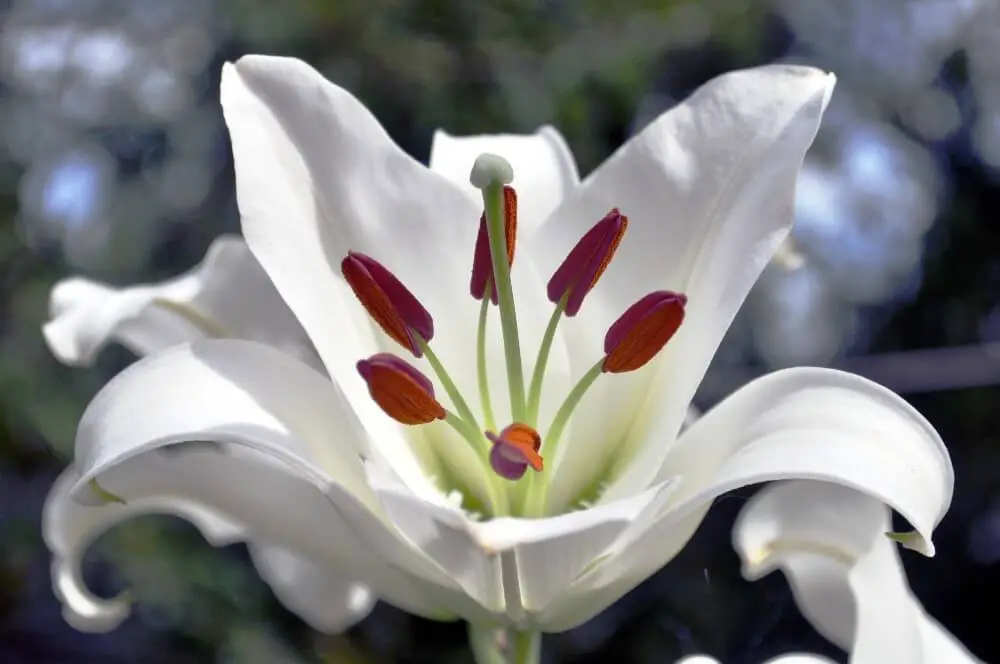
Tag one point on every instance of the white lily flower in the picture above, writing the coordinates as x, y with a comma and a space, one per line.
420, 514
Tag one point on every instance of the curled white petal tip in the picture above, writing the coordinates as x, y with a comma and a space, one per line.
489, 169
913, 541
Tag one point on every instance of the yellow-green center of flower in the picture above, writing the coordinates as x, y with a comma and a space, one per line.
517, 447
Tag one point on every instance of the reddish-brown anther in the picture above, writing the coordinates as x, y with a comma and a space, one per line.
514, 449
387, 301
405, 394
482, 261
642, 331
587, 261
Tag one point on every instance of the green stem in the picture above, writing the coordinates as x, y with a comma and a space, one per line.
524, 647
484, 383
494, 209
492, 645
538, 375
449, 385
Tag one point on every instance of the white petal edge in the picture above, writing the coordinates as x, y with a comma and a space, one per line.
709, 189
226, 295
803, 423
317, 176
284, 427
327, 603
528, 562
544, 169
846, 575
68, 528
325, 600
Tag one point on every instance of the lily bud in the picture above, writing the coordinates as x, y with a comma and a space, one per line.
642, 331
387, 301
482, 262
405, 394
587, 261
514, 449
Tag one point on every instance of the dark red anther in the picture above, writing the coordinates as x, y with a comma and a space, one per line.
587, 261
642, 331
515, 448
387, 301
482, 261
405, 394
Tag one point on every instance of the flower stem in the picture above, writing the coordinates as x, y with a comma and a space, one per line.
524, 647
484, 383
494, 645
538, 375
493, 206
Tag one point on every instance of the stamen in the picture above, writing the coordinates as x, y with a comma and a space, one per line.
587, 261
387, 301
482, 262
405, 394
484, 382
490, 173
544, 349
515, 448
642, 331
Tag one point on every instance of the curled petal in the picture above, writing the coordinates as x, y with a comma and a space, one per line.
289, 445
405, 394
69, 527
227, 295
846, 575
387, 301
642, 331
587, 261
482, 262
804, 423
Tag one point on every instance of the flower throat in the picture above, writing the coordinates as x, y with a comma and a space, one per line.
408, 396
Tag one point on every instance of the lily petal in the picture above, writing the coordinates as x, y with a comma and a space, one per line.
317, 176
519, 566
708, 188
847, 577
290, 445
327, 602
803, 423
544, 169
227, 295
69, 528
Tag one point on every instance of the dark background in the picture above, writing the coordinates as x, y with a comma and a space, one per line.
114, 163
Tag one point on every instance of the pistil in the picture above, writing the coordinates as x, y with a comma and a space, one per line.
489, 174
